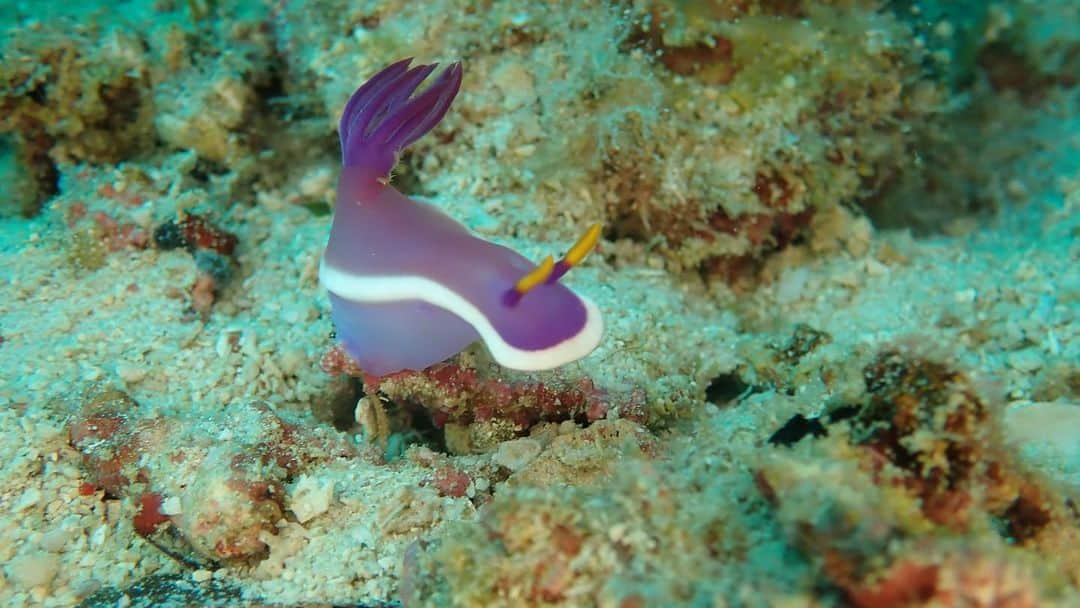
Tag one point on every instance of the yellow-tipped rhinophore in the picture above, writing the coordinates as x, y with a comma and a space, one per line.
535, 277
583, 246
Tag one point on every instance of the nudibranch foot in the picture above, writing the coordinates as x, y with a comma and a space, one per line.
385, 337
409, 286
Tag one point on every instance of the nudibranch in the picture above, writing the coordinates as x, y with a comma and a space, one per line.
408, 285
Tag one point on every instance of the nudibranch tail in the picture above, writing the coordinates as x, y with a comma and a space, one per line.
382, 117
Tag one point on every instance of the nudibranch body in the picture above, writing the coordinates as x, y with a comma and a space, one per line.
409, 286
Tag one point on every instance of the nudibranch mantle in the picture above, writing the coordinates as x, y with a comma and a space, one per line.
409, 286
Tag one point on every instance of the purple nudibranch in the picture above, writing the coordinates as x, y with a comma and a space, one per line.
409, 286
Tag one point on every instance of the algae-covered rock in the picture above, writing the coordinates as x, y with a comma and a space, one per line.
708, 132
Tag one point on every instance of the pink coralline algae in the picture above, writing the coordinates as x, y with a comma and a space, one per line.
451, 392
229, 493
211, 246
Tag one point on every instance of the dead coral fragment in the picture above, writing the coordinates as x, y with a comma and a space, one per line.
568, 539
194, 232
920, 473
455, 393
928, 421
220, 116
106, 433
28, 174
64, 102
96, 235
211, 246
838, 109
964, 578
224, 491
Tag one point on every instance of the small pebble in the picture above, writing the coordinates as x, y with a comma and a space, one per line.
171, 506
55, 540
964, 296
1027, 360
311, 498
516, 454
130, 373
33, 569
